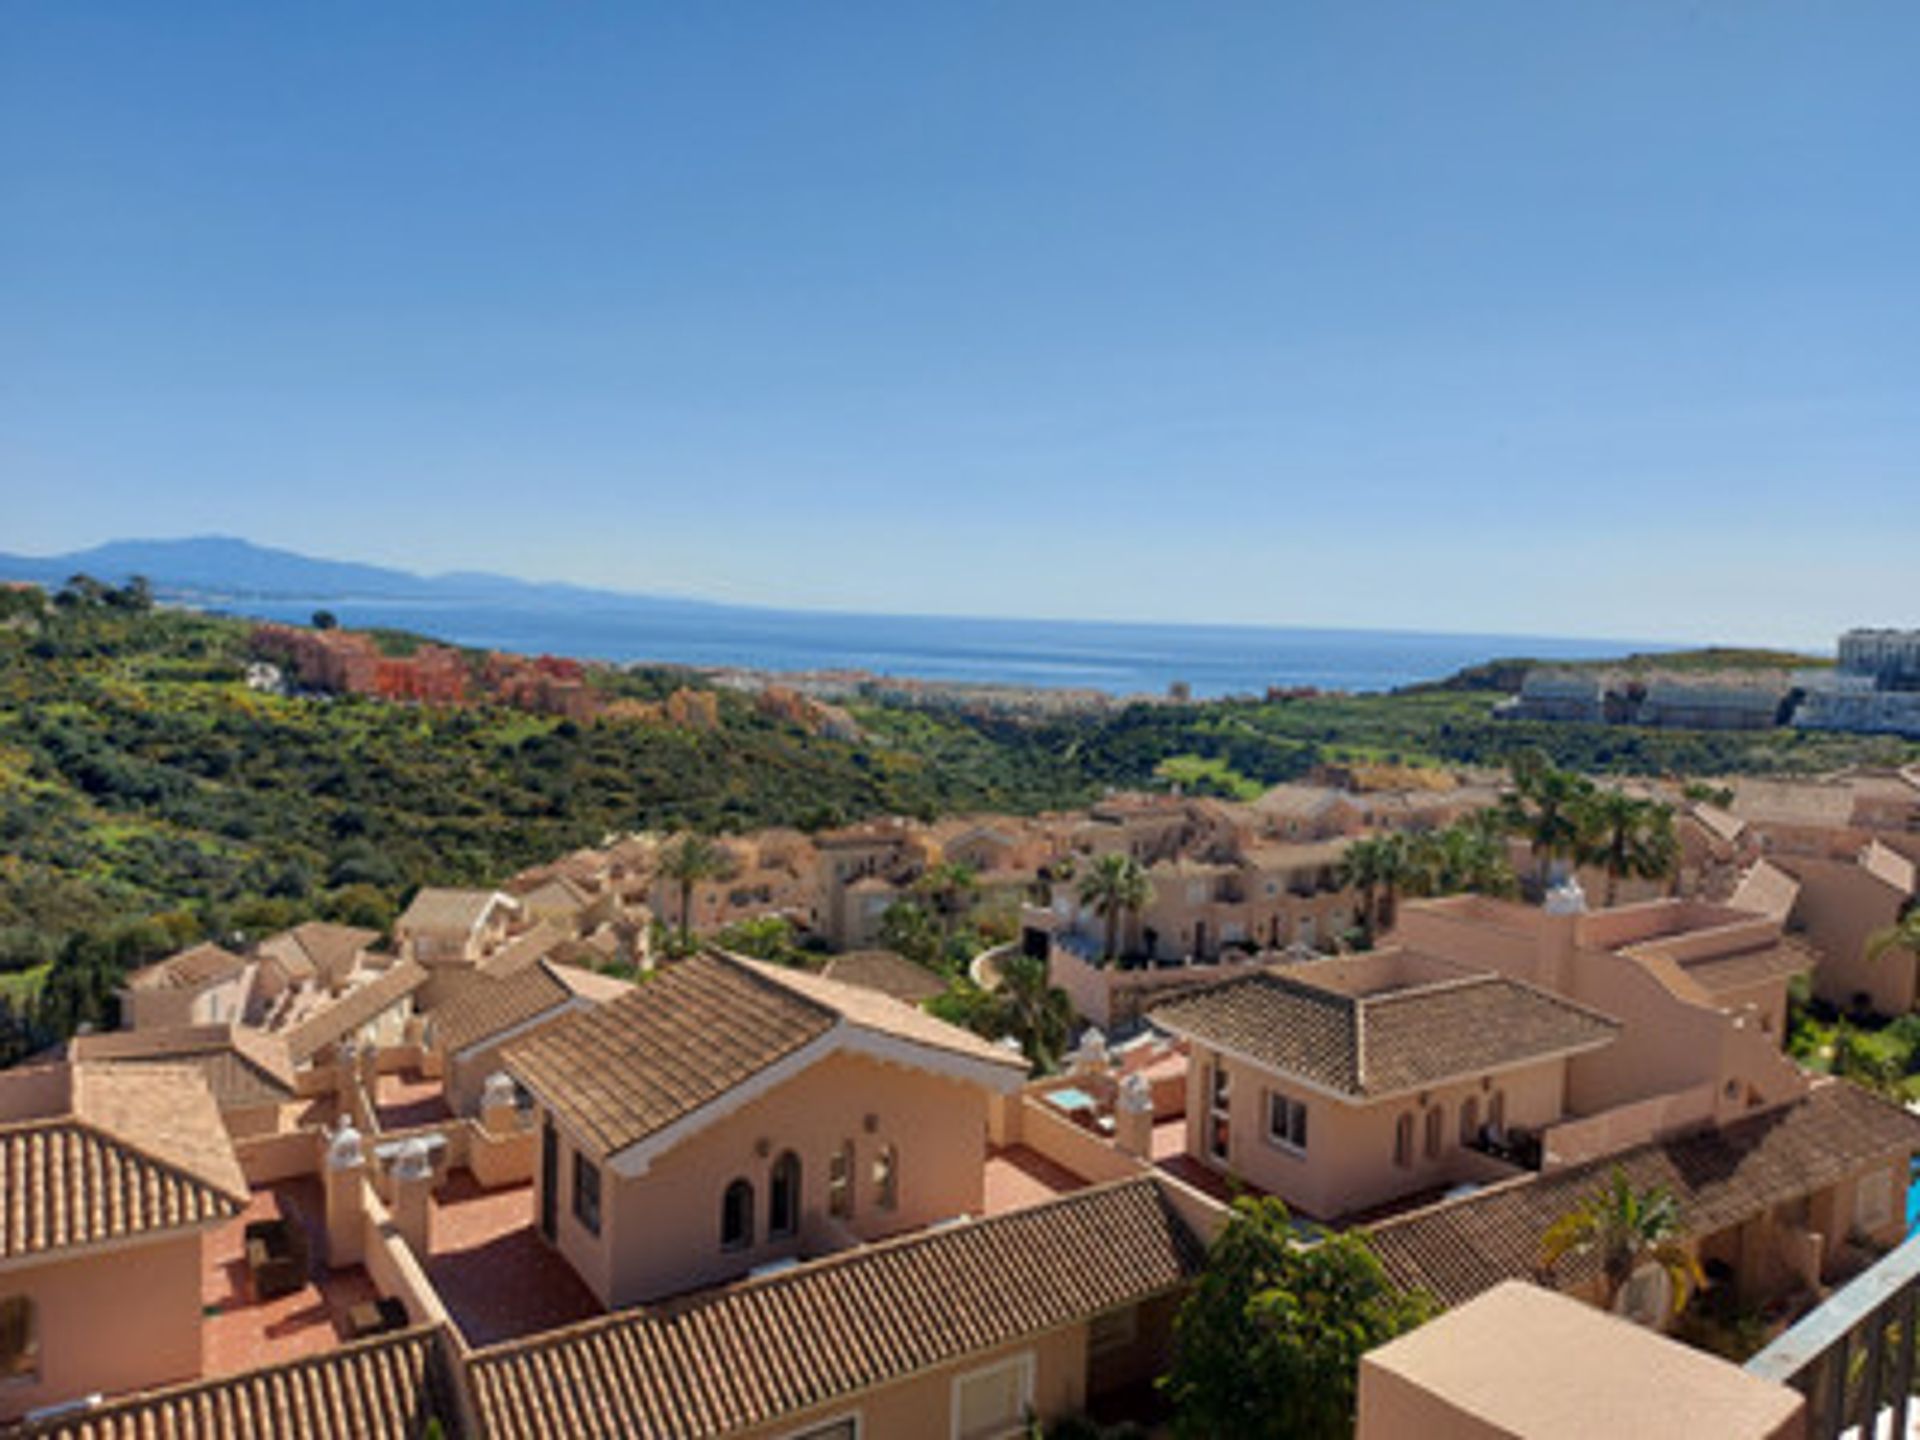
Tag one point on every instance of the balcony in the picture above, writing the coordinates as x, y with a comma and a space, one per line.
1853, 1357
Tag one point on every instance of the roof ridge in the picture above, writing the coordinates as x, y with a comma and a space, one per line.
674, 1306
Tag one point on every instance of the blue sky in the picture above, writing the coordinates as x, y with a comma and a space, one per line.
1526, 317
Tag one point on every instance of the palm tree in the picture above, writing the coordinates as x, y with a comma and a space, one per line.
1545, 806
1903, 934
1033, 1011
1625, 1229
1461, 857
1116, 886
1379, 867
687, 862
949, 888
1629, 838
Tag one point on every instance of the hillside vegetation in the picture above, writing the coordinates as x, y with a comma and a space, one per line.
148, 798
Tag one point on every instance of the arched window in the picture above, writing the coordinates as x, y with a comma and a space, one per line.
783, 1197
1436, 1130
736, 1216
1469, 1120
886, 1178
1497, 1114
840, 1183
1403, 1141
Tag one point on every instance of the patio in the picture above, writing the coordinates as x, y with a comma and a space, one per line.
406, 1098
239, 1333
496, 1276
1017, 1178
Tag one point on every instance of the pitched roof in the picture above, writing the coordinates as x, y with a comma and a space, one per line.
119, 1152
318, 948
386, 1388
1757, 966
1456, 1249
1388, 1042
307, 1036
889, 973
622, 1072
241, 1067
434, 908
203, 964
747, 1354
538, 942
493, 1005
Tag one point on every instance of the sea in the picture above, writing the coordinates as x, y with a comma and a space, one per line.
1114, 657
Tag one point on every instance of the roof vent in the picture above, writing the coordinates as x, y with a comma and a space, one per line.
1566, 898
345, 1152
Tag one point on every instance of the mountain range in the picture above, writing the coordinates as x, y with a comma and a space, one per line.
215, 569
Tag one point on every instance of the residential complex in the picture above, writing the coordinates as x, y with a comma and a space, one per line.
473, 1175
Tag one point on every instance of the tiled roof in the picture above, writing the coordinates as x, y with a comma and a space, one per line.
620, 1072
525, 949
1458, 1248
318, 948
241, 1067
624, 1071
1385, 1043
387, 1388
202, 965
123, 1152
1764, 963
751, 1353
490, 1006
306, 1037
888, 973
457, 910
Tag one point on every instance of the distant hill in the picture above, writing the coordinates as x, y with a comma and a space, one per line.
215, 568
1504, 676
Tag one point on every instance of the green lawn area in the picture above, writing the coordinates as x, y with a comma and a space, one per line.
1204, 775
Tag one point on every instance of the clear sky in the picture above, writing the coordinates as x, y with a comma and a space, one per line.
1554, 316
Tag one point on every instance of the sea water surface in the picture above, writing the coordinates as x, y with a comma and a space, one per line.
1115, 657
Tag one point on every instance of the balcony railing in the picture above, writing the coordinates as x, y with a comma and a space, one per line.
1853, 1357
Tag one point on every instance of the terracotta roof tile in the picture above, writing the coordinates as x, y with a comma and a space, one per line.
241, 1067
318, 949
381, 1389
1388, 1042
128, 1151
438, 909
492, 1005
751, 1353
308, 1036
887, 972
1459, 1248
202, 965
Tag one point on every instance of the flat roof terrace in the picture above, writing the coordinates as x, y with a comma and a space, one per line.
240, 1333
498, 1279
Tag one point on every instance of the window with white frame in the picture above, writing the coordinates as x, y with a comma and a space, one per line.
1286, 1122
992, 1403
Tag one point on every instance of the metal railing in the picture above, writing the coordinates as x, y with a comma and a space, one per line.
1853, 1357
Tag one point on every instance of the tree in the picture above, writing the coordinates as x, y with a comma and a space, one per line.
1623, 1229
950, 888
1629, 838
1268, 1343
1904, 934
906, 928
1116, 886
689, 861
1034, 1011
325, 620
1545, 806
1462, 857
1379, 867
